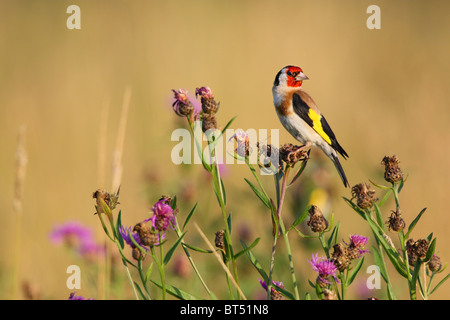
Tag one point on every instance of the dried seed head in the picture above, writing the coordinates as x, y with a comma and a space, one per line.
137, 254
275, 295
340, 257
435, 263
219, 239
396, 221
416, 250
209, 122
421, 248
291, 154
99, 195
411, 251
364, 195
392, 172
146, 234
209, 105
317, 222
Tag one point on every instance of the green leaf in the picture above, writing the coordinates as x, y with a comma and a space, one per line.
118, 227
379, 185
140, 291
379, 261
392, 254
430, 251
301, 169
173, 205
216, 140
172, 249
264, 199
300, 219
414, 222
385, 197
196, 248
334, 236
379, 216
358, 210
254, 243
256, 264
440, 283
355, 271
304, 235
284, 292
149, 272
189, 216
229, 223
177, 293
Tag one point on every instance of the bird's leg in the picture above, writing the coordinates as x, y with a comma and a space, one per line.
305, 146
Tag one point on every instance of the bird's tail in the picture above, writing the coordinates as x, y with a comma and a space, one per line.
340, 170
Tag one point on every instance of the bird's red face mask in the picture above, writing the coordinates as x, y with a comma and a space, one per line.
295, 77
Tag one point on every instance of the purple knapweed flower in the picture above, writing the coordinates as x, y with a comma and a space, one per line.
163, 216
72, 296
204, 92
125, 232
324, 267
358, 242
277, 283
76, 236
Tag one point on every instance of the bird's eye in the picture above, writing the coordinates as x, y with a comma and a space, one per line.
289, 73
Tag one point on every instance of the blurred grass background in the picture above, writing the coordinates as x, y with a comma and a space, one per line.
384, 92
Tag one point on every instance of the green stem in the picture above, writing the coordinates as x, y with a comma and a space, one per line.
280, 227
141, 275
162, 273
130, 279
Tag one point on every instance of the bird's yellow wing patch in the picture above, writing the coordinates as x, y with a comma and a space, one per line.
317, 125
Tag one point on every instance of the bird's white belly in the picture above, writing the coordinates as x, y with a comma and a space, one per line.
300, 130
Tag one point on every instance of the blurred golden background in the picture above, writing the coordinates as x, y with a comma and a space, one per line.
383, 92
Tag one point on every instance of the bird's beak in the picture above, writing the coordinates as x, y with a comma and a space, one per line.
301, 76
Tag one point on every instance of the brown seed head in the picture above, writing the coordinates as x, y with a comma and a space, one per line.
364, 195
291, 154
392, 172
317, 222
340, 257
219, 239
435, 263
396, 221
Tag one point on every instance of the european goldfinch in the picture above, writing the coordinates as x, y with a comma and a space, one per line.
300, 116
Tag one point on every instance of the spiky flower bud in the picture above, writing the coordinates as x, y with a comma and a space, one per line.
182, 105
392, 172
435, 263
317, 222
364, 195
396, 221
209, 105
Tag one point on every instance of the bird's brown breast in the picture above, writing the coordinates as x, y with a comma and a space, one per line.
285, 107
